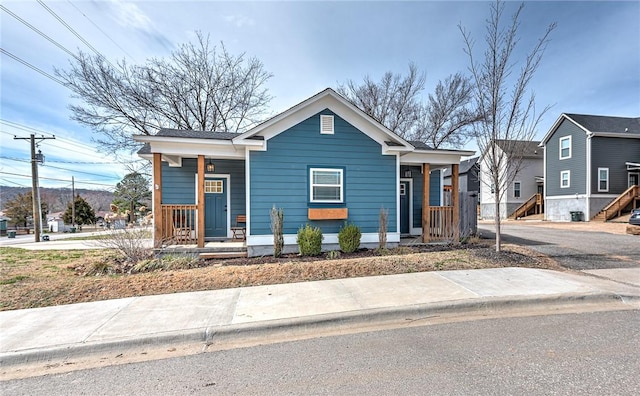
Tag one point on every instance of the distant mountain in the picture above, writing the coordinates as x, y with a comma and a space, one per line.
58, 198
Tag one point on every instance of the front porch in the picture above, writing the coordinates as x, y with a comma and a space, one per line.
183, 225
223, 249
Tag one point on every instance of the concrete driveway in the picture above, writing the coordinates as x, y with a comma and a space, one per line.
575, 249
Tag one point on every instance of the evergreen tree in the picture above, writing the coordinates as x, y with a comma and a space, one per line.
131, 193
84, 212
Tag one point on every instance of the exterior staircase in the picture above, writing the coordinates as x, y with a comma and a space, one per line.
533, 205
628, 199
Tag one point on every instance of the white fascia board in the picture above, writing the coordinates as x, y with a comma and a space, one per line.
433, 157
552, 130
326, 99
193, 149
626, 135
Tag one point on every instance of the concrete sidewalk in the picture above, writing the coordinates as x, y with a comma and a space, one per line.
210, 317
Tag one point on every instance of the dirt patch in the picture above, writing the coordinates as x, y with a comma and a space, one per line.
30, 279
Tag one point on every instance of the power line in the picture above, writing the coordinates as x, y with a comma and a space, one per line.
54, 179
29, 65
57, 167
21, 126
98, 27
77, 171
64, 162
30, 129
30, 26
17, 184
65, 24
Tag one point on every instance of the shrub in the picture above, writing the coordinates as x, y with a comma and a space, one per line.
349, 238
333, 255
167, 262
277, 221
131, 244
309, 240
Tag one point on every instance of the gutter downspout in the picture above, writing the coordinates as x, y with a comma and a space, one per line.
588, 165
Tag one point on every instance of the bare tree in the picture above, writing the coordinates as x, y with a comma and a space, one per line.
198, 87
395, 102
502, 95
447, 115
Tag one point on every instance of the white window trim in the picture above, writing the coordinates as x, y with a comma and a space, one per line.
311, 185
560, 147
607, 180
519, 189
568, 172
326, 121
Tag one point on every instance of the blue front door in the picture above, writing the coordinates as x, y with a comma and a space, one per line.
404, 207
215, 208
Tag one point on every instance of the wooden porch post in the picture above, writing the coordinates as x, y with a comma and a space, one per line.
425, 202
157, 200
200, 201
455, 202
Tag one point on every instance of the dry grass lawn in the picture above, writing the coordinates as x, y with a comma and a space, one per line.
30, 279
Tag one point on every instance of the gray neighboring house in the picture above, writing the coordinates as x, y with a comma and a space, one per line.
590, 161
468, 175
469, 179
527, 182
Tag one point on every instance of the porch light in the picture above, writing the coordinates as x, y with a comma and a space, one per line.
407, 173
210, 166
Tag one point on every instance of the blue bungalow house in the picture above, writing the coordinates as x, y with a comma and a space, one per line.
323, 161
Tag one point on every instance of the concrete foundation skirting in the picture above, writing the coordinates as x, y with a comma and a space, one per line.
267, 250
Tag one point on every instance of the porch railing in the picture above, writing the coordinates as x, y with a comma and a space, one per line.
179, 224
440, 223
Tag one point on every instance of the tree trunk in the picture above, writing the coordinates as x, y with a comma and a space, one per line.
497, 224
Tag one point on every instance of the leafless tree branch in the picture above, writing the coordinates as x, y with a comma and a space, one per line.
504, 100
198, 87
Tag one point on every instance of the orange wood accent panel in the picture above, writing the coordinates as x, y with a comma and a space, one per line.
328, 213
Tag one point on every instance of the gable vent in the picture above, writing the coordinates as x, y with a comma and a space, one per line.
326, 124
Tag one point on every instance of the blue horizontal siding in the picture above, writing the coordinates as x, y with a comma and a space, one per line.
179, 184
279, 177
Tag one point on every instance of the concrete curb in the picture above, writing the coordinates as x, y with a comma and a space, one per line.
219, 335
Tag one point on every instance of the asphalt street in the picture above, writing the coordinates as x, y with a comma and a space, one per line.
574, 354
578, 250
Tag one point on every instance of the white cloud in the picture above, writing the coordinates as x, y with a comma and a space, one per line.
239, 21
129, 15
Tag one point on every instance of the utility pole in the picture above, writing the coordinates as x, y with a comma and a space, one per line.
35, 191
73, 202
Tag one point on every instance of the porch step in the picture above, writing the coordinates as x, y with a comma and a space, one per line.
222, 255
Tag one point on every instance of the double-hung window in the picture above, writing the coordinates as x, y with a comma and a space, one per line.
603, 179
516, 189
326, 185
565, 147
565, 179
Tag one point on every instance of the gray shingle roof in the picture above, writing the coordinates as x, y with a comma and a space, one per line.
145, 149
465, 166
196, 134
420, 145
596, 123
529, 148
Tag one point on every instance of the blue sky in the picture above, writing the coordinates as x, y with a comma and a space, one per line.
591, 66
